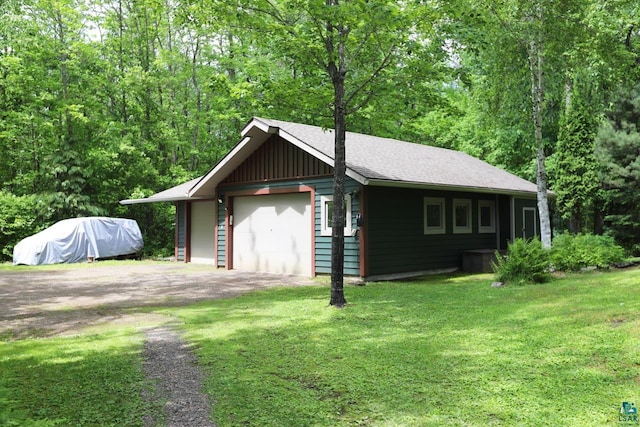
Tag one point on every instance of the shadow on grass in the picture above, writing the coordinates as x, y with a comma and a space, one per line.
80, 381
446, 352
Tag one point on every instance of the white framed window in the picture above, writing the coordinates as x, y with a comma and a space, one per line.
461, 216
326, 215
486, 216
434, 218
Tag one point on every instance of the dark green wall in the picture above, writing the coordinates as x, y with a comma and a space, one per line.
504, 224
181, 229
396, 239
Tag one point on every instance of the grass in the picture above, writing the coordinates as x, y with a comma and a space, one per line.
8, 266
447, 350
439, 351
92, 380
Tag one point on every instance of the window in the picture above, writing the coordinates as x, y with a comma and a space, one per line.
486, 216
434, 222
326, 212
461, 216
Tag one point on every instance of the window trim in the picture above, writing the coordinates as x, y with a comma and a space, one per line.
325, 227
442, 228
467, 229
491, 204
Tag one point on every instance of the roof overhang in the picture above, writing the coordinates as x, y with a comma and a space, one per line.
446, 187
174, 194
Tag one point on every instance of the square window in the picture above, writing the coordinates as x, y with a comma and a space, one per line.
461, 216
434, 219
326, 215
486, 216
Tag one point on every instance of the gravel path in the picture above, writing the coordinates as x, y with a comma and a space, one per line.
171, 366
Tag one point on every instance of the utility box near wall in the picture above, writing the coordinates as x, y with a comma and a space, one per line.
478, 260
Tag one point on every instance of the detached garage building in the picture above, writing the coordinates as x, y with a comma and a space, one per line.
411, 208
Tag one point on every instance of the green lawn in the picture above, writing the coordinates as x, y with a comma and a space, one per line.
435, 351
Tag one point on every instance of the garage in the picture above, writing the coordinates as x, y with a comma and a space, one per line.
203, 218
272, 233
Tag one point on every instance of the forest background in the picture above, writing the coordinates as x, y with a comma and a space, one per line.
104, 100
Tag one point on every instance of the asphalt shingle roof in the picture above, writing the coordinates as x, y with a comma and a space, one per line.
393, 161
372, 160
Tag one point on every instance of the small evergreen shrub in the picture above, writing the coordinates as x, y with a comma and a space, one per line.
526, 261
574, 252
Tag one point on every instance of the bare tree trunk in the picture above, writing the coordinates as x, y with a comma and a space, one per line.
537, 97
337, 71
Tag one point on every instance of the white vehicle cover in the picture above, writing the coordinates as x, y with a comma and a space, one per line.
78, 239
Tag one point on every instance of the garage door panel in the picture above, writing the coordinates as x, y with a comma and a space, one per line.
272, 233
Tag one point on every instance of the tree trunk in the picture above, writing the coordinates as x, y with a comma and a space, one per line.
339, 172
537, 97
337, 72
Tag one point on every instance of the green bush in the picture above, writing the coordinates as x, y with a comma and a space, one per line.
573, 252
18, 219
526, 261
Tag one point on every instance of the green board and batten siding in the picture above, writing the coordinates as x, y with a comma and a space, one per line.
396, 239
222, 236
181, 230
323, 243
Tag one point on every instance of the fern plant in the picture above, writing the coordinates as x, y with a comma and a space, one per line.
526, 261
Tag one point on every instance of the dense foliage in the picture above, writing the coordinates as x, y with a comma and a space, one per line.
574, 252
108, 100
526, 261
18, 218
618, 149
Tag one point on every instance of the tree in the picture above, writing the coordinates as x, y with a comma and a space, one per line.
618, 150
576, 167
352, 42
545, 50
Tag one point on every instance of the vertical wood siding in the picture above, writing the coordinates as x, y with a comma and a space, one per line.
504, 215
277, 159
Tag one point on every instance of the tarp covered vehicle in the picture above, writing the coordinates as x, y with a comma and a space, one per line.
80, 239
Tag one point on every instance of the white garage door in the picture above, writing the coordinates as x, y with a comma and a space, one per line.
272, 233
203, 223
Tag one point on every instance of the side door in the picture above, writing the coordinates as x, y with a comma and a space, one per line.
529, 223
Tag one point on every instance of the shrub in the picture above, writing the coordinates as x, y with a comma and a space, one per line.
526, 261
17, 221
573, 252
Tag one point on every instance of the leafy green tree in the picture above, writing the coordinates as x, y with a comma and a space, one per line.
618, 150
342, 48
576, 168
18, 219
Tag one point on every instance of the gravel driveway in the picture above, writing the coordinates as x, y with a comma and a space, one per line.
63, 300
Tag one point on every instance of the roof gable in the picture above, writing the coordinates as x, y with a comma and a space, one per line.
277, 159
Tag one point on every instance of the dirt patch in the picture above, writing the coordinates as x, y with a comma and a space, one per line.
47, 302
